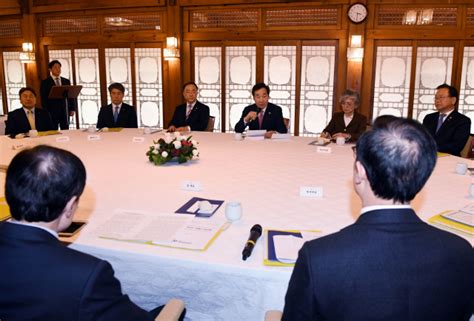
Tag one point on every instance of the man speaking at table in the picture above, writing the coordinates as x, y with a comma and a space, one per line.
389, 265
40, 278
262, 114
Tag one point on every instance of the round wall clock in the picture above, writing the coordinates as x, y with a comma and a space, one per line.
357, 12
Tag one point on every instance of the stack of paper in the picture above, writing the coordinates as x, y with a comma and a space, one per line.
4, 210
460, 221
180, 231
283, 246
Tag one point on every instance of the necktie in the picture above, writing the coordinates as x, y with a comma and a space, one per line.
188, 110
31, 119
57, 81
440, 121
260, 120
116, 113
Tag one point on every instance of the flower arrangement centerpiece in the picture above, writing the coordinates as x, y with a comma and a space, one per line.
173, 147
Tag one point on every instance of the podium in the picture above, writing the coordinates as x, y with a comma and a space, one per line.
65, 92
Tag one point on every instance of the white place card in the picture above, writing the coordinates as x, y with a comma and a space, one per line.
62, 139
93, 137
191, 186
311, 191
323, 150
17, 146
138, 139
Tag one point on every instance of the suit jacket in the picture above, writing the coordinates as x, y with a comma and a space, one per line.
127, 117
355, 128
272, 119
54, 104
389, 265
18, 121
44, 280
197, 120
452, 135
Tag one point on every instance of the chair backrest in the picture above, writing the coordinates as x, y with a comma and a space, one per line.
468, 150
171, 311
210, 124
273, 315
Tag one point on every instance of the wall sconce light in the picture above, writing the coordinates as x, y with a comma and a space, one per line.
27, 55
355, 52
171, 51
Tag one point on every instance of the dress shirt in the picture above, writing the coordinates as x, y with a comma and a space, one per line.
347, 120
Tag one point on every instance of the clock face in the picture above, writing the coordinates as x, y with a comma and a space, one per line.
357, 12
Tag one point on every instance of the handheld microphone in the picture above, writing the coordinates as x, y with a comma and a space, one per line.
255, 233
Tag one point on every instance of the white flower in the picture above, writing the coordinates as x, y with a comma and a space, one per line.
156, 151
168, 139
177, 144
195, 152
183, 138
194, 142
164, 154
177, 134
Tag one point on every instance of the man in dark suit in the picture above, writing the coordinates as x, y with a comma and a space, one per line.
117, 114
262, 114
57, 107
389, 265
192, 115
348, 124
449, 128
22, 120
41, 278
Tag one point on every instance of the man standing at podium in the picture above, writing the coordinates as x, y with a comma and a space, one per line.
57, 107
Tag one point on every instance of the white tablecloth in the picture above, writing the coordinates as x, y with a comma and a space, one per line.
265, 176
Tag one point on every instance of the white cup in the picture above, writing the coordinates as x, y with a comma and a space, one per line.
146, 130
33, 133
91, 129
233, 211
340, 140
461, 168
238, 136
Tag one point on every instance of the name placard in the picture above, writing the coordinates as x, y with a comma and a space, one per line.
62, 139
138, 139
323, 150
311, 191
17, 146
191, 186
93, 137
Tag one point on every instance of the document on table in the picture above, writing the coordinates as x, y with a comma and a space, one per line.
181, 231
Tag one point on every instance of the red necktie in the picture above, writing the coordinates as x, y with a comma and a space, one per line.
260, 119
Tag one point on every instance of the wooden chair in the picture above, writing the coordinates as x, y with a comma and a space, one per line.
210, 124
171, 311
468, 150
273, 315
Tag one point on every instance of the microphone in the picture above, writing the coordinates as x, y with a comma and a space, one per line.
255, 233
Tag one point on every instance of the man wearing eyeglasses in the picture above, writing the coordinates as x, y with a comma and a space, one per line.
449, 128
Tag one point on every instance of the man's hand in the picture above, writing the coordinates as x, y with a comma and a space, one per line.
252, 115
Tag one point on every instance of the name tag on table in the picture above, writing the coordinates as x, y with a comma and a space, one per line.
138, 139
323, 150
194, 186
17, 146
93, 137
311, 191
62, 139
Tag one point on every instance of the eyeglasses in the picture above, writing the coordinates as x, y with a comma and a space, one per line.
440, 97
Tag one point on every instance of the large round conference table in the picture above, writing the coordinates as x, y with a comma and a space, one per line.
265, 176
